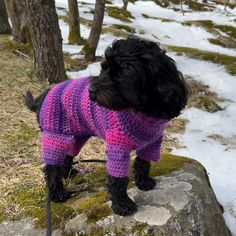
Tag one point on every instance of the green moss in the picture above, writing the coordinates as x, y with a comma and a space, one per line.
170, 163
197, 6
166, 20
139, 229
193, 5
85, 3
230, 30
2, 212
207, 24
88, 52
72, 65
61, 8
31, 202
228, 61
124, 27
216, 42
211, 27
24, 133
95, 207
74, 37
86, 22
116, 32
120, 14
24, 136
108, 2
15, 46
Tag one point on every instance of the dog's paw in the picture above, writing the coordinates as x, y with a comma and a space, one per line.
61, 196
124, 207
146, 184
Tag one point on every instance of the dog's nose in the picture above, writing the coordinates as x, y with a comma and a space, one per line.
92, 92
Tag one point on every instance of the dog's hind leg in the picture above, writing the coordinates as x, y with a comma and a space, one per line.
54, 178
67, 168
141, 175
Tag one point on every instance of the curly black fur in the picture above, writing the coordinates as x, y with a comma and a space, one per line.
121, 203
35, 104
141, 175
138, 74
54, 176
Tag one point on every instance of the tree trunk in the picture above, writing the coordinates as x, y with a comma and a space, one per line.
17, 15
125, 4
5, 27
46, 40
91, 45
74, 23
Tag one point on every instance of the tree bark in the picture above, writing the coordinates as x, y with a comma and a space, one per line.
5, 27
46, 40
125, 4
91, 45
74, 23
17, 15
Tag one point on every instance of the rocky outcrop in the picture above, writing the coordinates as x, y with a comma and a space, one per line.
182, 203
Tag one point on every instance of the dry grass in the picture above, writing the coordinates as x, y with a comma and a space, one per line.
229, 142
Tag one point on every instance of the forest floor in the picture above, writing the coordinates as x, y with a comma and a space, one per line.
22, 187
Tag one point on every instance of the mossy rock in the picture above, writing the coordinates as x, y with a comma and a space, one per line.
119, 14
31, 199
228, 61
95, 207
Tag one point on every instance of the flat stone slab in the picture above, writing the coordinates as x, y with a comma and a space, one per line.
182, 203
23, 227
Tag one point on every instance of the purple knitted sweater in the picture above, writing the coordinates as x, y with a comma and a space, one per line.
68, 118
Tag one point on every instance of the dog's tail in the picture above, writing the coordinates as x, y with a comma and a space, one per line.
30, 102
35, 104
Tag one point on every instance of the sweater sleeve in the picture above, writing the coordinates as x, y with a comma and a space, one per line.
55, 147
118, 151
151, 152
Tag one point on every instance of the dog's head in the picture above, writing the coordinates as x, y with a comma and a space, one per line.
137, 74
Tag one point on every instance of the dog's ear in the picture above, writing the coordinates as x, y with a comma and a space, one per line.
167, 89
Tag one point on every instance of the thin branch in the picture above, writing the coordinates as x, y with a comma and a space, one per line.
24, 55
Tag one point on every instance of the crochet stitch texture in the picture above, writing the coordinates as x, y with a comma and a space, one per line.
69, 118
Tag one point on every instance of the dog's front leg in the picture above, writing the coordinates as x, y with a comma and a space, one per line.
141, 175
54, 178
121, 203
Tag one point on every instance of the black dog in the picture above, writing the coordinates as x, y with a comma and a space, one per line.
135, 74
